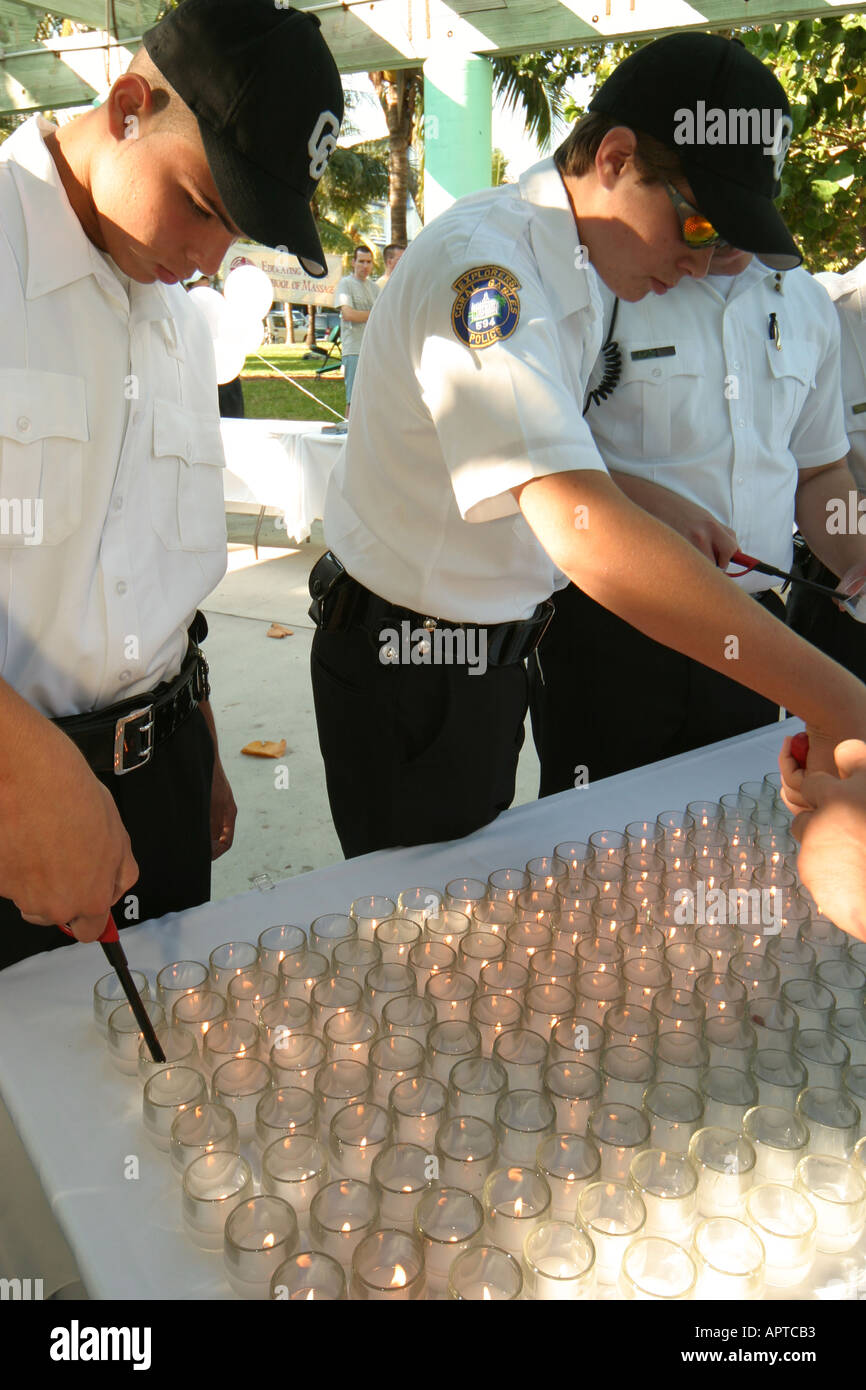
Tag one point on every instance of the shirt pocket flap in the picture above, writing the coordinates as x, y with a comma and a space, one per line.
182, 433
42, 405
656, 365
799, 360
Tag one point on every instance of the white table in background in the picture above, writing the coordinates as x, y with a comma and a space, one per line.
284, 464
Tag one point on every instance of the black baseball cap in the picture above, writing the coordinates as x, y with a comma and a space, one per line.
728, 119
266, 93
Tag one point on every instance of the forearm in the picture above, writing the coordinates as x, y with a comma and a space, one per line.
822, 516
354, 315
205, 707
648, 575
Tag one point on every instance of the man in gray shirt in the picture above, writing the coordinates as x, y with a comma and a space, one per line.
355, 297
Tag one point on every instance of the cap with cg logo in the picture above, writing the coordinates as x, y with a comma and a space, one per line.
267, 95
727, 117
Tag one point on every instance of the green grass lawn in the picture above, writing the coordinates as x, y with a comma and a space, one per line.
268, 396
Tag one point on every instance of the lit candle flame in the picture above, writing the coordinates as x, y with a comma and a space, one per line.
399, 1279
345, 1227
486, 1295
518, 1206
268, 1242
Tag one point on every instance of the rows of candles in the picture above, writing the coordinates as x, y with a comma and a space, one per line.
635, 1068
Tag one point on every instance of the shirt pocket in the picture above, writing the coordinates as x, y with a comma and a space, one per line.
654, 401
43, 426
792, 377
187, 504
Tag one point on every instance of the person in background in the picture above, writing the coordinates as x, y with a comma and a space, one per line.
390, 256
355, 297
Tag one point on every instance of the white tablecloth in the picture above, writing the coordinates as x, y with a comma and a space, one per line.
280, 463
79, 1119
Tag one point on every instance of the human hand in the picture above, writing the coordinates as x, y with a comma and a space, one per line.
223, 812
832, 834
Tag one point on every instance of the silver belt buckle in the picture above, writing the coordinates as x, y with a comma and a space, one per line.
120, 768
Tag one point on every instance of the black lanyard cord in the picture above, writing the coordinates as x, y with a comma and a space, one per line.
612, 366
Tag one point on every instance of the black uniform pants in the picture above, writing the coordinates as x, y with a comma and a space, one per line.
165, 807
413, 753
606, 698
818, 619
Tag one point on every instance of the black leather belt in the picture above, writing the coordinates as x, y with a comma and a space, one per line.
340, 603
124, 737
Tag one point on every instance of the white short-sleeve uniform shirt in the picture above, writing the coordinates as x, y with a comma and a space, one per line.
709, 406
109, 429
848, 293
419, 507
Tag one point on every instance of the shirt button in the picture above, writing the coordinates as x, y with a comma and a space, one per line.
742, 424
657, 371
739, 480
736, 366
124, 676
23, 424
121, 587
118, 504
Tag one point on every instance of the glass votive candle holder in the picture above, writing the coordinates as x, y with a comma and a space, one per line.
727, 1094
827, 940
721, 940
299, 974
409, 1016
545, 1005
281, 1018
239, 1085
612, 1215
451, 993
832, 1118
427, 958
540, 907
729, 1258
462, 894
786, 1224
466, 1150
850, 1026
643, 977
420, 904
811, 1001
854, 1085
573, 926
780, 1139
626, 1072
837, 1191
179, 1049
558, 1263
568, 1163
681, 1057
213, 1185
349, 1036
611, 913
392, 1059
201, 1129
677, 1011
342, 1213
725, 1165
295, 1060
707, 815
524, 938
125, 1037
335, 995
449, 1043
345, 1082
758, 974
674, 1112
260, 1234
516, 1200
598, 991
675, 825
309, 1277
395, 938
632, 1025
295, 1168
492, 1015
575, 854
358, 1134
731, 1042
523, 1054
643, 835
794, 959
775, 1023
418, 1107
477, 949
108, 995
329, 930
283, 1112
386, 982
845, 980
577, 1040
231, 958
575, 1091
824, 1056
547, 872
195, 1013
504, 977
599, 953
687, 962
475, 1085
858, 1158
618, 1132
247, 994
177, 979
483, 1274
721, 994
231, 1037
275, 943
779, 1076
667, 1184
388, 1267
447, 1221
369, 912
503, 885
402, 1173
655, 1268
644, 892
553, 967
353, 958
494, 916
524, 1119
166, 1094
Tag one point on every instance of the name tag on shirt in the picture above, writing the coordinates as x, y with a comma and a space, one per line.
858, 409
643, 353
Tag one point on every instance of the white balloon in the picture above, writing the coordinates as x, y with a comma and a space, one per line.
243, 328
212, 305
250, 290
229, 356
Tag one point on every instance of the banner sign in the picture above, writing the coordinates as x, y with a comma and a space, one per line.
292, 284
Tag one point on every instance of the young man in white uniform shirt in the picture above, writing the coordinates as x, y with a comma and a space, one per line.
111, 793
726, 423
470, 481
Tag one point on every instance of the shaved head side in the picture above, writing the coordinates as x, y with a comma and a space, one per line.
170, 112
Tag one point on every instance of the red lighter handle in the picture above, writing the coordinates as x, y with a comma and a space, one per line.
800, 748
740, 558
110, 934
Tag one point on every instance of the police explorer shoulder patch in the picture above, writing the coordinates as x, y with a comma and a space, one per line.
487, 308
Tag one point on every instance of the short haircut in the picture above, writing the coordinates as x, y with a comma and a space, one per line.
360, 251
388, 253
576, 155
169, 109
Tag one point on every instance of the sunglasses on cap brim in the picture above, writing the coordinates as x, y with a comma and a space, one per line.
697, 232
